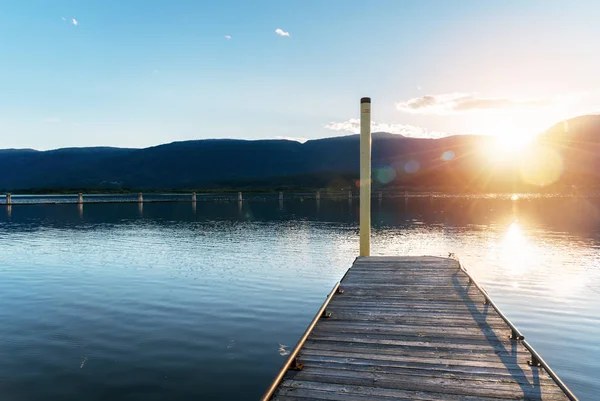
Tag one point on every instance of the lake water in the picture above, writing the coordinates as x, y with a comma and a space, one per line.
185, 301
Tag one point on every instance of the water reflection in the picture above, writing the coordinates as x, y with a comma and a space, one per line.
577, 217
156, 282
516, 251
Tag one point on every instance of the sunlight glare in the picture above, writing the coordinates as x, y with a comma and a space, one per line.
513, 131
517, 249
542, 166
505, 149
513, 142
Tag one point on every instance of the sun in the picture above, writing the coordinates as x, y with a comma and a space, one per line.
536, 163
512, 132
512, 142
506, 148
510, 135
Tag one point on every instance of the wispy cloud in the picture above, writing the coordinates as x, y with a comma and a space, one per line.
465, 102
292, 138
63, 18
281, 32
353, 126
227, 37
74, 21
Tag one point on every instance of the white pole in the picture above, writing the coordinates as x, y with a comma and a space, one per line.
365, 176
80, 198
240, 197
140, 197
8, 200
318, 195
193, 197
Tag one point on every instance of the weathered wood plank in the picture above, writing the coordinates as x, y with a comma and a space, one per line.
412, 306
465, 340
392, 305
517, 374
447, 361
437, 352
412, 342
427, 320
426, 384
401, 313
400, 330
428, 296
328, 391
413, 328
514, 379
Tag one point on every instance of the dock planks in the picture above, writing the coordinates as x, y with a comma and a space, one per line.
413, 328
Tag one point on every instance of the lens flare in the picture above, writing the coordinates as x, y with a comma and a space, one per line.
385, 175
542, 167
447, 155
411, 166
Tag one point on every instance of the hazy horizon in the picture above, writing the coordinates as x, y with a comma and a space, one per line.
300, 140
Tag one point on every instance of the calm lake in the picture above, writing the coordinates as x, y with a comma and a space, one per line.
203, 301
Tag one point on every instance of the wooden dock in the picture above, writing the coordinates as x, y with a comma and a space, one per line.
413, 328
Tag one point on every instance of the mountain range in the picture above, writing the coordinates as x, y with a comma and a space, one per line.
569, 150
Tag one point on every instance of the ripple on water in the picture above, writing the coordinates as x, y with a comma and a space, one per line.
118, 304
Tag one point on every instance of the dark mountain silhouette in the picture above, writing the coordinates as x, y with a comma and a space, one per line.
456, 163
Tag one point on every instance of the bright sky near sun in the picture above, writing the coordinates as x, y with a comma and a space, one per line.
138, 73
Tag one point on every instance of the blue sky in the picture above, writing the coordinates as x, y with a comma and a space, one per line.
141, 73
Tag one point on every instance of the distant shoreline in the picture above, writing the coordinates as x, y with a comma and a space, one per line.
301, 191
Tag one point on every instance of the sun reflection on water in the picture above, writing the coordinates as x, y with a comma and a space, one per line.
516, 248
523, 254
